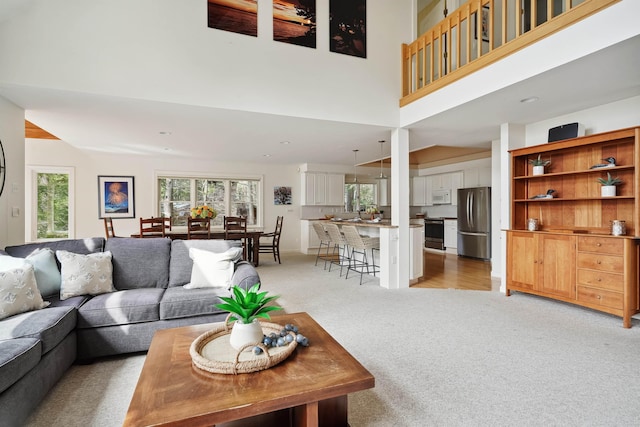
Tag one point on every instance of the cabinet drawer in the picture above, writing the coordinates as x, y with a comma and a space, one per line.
601, 245
611, 263
601, 280
600, 297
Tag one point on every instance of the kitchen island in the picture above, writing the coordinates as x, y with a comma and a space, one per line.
388, 260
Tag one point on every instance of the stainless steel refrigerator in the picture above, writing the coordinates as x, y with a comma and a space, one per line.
474, 222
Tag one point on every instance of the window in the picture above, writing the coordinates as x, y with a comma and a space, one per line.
228, 196
50, 208
359, 197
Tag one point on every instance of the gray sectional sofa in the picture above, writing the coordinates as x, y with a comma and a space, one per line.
37, 347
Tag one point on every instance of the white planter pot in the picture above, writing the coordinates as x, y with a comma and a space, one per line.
244, 334
608, 190
538, 170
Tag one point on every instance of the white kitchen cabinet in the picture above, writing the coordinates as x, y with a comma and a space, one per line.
324, 189
309, 241
335, 189
477, 177
451, 235
418, 191
457, 179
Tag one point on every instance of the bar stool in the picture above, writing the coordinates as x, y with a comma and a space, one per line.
339, 244
325, 241
359, 245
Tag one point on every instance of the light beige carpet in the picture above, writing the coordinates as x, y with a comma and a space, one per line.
440, 357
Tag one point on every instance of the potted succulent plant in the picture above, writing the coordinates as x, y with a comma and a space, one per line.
539, 164
608, 188
246, 307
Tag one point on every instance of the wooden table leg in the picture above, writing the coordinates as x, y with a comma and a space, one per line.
306, 415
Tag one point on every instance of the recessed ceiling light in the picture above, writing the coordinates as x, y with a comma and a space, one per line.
285, 142
266, 155
529, 99
164, 132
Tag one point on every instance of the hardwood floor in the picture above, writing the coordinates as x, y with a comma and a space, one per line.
444, 271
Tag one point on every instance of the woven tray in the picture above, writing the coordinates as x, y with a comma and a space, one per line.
212, 352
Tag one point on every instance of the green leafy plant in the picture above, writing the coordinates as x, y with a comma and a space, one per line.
610, 180
539, 162
246, 306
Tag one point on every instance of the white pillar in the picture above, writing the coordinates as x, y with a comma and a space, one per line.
400, 261
511, 136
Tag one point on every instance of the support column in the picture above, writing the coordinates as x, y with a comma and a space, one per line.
401, 254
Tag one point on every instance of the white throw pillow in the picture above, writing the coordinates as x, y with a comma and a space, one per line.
212, 269
19, 292
85, 274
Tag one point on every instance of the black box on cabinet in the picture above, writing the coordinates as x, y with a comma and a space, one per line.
568, 131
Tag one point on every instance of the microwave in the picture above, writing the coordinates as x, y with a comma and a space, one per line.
441, 197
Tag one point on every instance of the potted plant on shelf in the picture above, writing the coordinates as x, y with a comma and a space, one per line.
539, 164
608, 188
246, 307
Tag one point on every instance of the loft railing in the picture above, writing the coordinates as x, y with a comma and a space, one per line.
466, 41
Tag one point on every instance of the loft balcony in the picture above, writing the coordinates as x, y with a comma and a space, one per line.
480, 33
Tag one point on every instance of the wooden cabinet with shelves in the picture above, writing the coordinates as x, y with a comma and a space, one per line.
572, 256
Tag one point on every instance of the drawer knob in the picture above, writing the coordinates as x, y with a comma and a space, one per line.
599, 262
598, 244
599, 279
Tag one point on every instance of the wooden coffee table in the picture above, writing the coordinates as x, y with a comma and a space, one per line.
309, 388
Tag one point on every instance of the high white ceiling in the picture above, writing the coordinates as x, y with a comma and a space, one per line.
108, 124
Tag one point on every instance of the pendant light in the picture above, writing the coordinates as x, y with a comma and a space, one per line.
382, 175
355, 162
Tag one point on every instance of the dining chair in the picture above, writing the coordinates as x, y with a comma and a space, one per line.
108, 227
235, 228
273, 245
154, 227
198, 228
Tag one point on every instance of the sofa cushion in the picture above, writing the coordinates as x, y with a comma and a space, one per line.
85, 274
19, 292
140, 263
121, 308
78, 246
212, 269
178, 302
17, 357
46, 269
50, 325
181, 264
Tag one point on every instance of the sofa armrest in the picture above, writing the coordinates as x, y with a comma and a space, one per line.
245, 275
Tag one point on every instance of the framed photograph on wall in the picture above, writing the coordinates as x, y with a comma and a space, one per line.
348, 27
282, 195
484, 24
237, 16
294, 22
116, 197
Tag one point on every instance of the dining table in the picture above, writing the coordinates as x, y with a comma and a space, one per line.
253, 240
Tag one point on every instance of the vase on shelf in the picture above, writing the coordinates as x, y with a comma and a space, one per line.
538, 170
608, 190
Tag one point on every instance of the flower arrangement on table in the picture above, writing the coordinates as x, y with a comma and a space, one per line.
372, 209
203, 212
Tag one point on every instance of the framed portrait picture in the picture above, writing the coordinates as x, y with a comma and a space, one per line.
116, 197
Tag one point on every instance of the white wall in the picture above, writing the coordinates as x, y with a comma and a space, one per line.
88, 167
12, 137
163, 50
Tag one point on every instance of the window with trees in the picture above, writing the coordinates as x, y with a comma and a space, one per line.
359, 196
51, 204
228, 196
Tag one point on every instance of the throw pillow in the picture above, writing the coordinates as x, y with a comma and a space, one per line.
211, 269
46, 271
90, 274
19, 292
